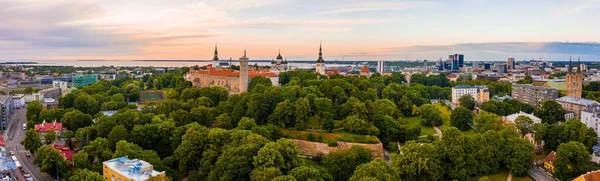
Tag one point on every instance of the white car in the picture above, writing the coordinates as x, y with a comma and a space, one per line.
11, 152
24, 126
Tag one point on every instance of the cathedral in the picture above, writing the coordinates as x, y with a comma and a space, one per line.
279, 65
320, 69
574, 80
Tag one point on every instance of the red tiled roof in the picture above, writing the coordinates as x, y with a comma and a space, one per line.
2, 141
48, 126
365, 69
551, 157
64, 151
595, 175
452, 76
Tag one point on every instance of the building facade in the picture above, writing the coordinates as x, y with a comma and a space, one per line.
83, 80
531, 94
53, 93
575, 105
591, 118
124, 169
6, 109
320, 66
511, 63
18, 101
574, 81
510, 120
42, 128
479, 93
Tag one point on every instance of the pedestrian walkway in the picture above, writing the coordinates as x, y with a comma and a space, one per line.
509, 178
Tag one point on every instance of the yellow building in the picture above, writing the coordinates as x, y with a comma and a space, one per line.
124, 169
549, 162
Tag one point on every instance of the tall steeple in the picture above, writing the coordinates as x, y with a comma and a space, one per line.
320, 60
216, 58
578, 64
570, 65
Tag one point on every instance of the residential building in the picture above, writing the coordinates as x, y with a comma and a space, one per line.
591, 118
49, 103
510, 119
33, 97
479, 93
18, 101
60, 84
549, 162
82, 80
590, 176
531, 94
575, 105
320, 66
49, 126
123, 169
46, 80
6, 109
66, 152
574, 81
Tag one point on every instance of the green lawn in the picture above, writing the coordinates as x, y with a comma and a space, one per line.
446, 112
502, 175
153, 95
416, 121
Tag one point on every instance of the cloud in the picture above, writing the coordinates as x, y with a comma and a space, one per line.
503, 50
373, 6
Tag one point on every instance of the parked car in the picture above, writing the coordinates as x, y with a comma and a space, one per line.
11, 152
28, 155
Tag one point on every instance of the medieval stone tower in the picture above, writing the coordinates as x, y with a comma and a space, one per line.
244, 73
574, 80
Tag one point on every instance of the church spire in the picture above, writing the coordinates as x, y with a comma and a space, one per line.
216, 53
320, 60
570, 65
578, 64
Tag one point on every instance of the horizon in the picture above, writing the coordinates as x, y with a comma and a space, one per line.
356, 30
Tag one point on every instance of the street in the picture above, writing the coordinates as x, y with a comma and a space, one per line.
536, 173
15, 128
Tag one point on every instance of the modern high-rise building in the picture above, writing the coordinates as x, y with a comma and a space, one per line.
380, 66
461, 60
511, 63
531, 94
475, 65
457, 61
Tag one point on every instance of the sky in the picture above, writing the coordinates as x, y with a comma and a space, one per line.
347, 29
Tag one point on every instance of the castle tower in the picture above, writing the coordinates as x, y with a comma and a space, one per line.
574, 80
216, 58
320, 69
244, 73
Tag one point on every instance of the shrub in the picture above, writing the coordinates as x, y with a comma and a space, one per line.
392, 147
358, 126
310, 137
332, 143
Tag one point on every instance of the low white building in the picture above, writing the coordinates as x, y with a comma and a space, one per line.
510, 119
33, 97
60, 84
590, 117
479, 93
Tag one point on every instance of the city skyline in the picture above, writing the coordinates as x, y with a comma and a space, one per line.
355, 30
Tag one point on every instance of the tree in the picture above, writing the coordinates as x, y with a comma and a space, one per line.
302, 113
87, 104
189, 152
454, 157
572, 159
50, 161
81, 160
467, 101
431, 115
341, 164
305, 173
85, 175
485, 121
462, 118
265, 174
377, 169
356, 125
246, 123
417, 162
550, 112
284, 178
117, 134
49, 137
32, 141
260, 80
384, 107
284, 114
33, 111
281, 154
524, 125
520, 156
76, 119
99, 149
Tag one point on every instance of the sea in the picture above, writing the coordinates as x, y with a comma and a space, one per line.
164, 63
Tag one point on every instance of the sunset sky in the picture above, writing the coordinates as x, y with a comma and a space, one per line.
355, 30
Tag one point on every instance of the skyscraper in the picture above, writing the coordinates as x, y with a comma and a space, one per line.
461, 60
511, 63
457, 61
380, 66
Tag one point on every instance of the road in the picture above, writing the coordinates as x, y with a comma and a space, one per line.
15, 128
536, 173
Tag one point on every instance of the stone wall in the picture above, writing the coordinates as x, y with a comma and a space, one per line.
319, 149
